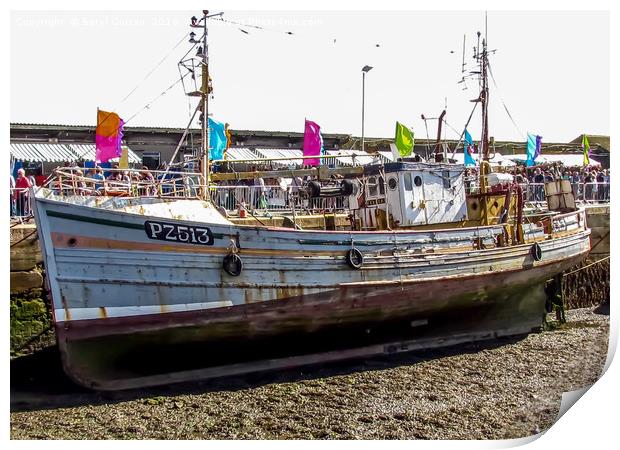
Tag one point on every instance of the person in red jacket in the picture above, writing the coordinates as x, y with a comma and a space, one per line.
22, 184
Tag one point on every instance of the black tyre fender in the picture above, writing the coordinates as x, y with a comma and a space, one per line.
355, 258
349, 187
233, 265
536, 252
314, 189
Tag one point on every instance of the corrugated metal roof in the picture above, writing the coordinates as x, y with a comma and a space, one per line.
361, 158
281, 153
235, 132
41, 152
87, 152
46, 152
240, 154
387, 155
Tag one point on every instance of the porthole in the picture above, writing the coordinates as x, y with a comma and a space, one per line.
392, 183
417, 181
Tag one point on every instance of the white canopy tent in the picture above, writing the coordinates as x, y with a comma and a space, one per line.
495, 160
568, 159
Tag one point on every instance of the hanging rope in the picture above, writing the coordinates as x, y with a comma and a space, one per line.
589, 265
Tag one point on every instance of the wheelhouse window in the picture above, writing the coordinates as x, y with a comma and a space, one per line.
407, 180
372, 187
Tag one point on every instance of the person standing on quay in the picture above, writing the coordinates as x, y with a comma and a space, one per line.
21, 192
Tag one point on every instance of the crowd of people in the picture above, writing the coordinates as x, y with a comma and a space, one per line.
258, 192
96, 181
588, 183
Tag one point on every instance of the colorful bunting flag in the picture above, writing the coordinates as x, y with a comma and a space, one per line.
108, 136
123, 162
534, 143
586, 150
468, 150
217, 139
313, 143
404, 140
538, 150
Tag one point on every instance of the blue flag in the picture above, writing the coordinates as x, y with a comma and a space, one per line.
534, 143
217, 139
468, 149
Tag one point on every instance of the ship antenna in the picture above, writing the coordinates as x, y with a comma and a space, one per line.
463, 66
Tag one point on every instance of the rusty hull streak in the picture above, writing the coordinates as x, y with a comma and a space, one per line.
65, 307
247, 296
102, 312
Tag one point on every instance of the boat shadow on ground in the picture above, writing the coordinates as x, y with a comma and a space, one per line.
38, 381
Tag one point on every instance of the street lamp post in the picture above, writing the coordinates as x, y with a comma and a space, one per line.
365, 70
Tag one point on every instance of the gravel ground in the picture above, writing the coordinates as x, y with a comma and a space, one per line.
506, 389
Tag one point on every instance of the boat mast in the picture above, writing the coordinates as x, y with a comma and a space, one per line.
205, 109
484, 100
205, 89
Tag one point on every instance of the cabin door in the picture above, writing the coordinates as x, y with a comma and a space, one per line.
414, 198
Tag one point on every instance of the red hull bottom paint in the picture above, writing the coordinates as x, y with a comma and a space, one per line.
129, 352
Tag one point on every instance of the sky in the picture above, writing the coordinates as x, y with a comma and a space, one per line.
551, 69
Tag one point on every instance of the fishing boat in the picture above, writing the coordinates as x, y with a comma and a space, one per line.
149, 290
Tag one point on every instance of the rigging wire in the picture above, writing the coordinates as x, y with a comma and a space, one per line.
154, 68
145, 77
302, 35
503, 103
221, 19
148, 105
463, 132
458, 133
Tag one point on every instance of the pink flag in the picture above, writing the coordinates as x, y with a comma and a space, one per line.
313, 143
108, 136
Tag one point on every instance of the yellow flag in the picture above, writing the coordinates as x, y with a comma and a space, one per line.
123, 162
586, 150
403, 139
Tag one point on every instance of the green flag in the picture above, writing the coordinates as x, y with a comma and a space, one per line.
586, 150
404, 139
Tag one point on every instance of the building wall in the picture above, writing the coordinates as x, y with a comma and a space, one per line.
165, 140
